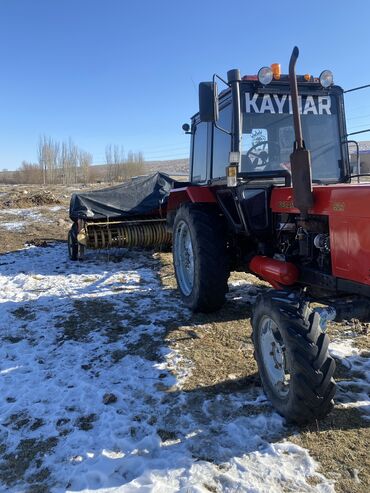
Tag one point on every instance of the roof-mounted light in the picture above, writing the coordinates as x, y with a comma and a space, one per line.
276, 70
326, 78
265, 75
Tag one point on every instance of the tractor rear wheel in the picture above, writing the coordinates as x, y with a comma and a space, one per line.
200, 257
292, 357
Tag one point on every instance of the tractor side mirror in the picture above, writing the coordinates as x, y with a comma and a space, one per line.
186, 128
208, 102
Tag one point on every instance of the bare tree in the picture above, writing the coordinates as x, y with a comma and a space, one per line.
68, 162
109, 163
63, 158
29, 173
134, 164
85, 160
96, 174
63, 162
120, 167
8, 177
58, 162
48, 156
73, 154
40, 156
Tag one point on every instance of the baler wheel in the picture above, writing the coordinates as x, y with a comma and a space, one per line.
291, 351
75, 250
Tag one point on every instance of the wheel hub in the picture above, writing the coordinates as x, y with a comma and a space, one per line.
274, 356
184, 258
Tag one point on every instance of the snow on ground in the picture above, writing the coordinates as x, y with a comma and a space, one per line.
356, 391
29, 213
91, 398
21, 218
13, 226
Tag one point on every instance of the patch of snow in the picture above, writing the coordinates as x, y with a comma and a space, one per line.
29, 213
8, 370
242, 290
341, 349
354, 393
71, 332
14, 226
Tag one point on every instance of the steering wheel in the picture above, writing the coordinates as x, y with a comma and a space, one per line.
262, 158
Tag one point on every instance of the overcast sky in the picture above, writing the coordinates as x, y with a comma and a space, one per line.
126, 72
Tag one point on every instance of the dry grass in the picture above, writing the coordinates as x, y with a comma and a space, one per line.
340, 444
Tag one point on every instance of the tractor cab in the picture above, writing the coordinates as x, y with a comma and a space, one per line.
258, 129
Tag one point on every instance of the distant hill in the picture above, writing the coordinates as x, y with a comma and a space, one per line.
174, 167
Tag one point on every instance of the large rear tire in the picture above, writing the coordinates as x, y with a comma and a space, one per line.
200, 257
292, 356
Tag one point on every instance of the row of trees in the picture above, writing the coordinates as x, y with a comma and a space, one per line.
120, 167
65, 163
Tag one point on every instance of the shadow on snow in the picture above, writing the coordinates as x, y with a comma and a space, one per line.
108, 337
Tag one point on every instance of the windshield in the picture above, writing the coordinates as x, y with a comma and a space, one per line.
268, 134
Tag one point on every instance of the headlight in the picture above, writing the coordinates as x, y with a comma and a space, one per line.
326, 78
265, 75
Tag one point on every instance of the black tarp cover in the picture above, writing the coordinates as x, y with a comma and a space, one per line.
141, 196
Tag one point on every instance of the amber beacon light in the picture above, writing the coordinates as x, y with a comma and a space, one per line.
276, 70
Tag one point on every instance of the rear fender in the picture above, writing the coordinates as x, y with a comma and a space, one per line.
188, 195
191, 194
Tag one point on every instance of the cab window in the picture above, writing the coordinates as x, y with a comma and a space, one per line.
221, 143
199, 165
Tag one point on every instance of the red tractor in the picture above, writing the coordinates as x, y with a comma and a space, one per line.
293, 218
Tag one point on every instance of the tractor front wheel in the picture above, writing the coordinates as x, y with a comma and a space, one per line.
200, 257
292, 357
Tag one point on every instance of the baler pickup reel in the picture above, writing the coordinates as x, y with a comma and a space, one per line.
124, 234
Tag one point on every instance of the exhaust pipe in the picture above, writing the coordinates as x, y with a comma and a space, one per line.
300, 159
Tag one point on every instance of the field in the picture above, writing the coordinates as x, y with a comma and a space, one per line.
108, 383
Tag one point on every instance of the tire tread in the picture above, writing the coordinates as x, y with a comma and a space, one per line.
210, 251
312, 386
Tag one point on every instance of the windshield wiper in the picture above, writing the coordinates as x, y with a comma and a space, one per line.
359, 175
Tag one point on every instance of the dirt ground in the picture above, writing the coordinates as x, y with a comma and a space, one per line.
220, 348
218, 345
49, 222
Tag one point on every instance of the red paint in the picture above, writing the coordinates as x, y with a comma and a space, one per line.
348, 209
192, 193
276, 272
